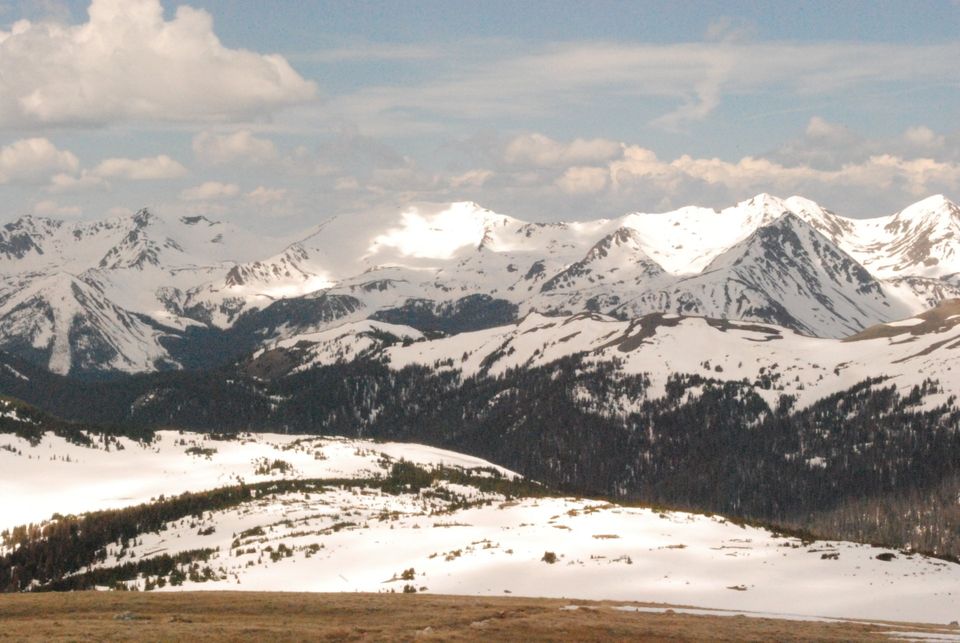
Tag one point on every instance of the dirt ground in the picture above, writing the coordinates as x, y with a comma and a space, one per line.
243, 616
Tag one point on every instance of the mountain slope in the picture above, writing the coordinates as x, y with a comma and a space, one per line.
69, 325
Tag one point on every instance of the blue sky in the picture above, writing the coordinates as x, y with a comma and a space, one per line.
279, 114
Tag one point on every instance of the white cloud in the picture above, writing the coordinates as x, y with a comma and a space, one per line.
263, 195
922, 136
34, 160
637, 179
73, 183
209, 191
145, 169
916, 177
583, 180
237, 147
54, 209
128, 63
541, 151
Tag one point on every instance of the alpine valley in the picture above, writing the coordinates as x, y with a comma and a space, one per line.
234, 411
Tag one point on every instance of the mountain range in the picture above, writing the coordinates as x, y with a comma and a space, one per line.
142, 293
771, 362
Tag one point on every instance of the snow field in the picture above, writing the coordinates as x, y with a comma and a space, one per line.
351, 538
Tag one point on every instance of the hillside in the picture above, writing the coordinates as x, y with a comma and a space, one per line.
313, 514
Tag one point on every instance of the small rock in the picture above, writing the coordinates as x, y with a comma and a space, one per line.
125, 616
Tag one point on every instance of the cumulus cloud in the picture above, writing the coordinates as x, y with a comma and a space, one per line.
831, 145
917, 176
922, 136
146, 169
541, 151
583, 180
209, 191
128, 63
237, 147
34, 160
637, 178
64, 182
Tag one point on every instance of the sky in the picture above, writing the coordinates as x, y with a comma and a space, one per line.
277, 115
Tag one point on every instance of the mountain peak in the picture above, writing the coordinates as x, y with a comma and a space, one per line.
143, 217
766, 201
33, 222
935, 213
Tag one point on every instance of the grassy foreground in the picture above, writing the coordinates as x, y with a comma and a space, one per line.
238, 616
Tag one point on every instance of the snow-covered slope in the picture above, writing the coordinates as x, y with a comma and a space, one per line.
454, 538
344, 343
778, 360
67, 324
127, 472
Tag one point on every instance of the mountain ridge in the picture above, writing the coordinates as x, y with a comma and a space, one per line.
808, 269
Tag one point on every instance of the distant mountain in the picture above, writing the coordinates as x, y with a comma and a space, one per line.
144, 292
99, 297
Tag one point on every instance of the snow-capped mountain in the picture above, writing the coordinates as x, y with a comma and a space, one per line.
787, 273
920, 240
96, 296
453, 267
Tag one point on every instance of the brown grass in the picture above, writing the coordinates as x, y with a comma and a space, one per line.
248, 616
